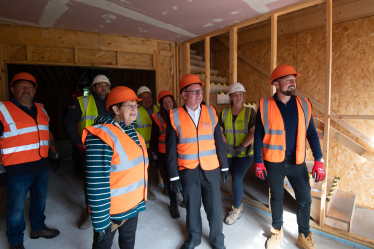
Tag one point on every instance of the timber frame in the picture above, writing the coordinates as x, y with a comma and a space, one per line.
234, 53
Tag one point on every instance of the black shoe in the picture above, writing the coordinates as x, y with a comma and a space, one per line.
173, 209
189, 245
19, 246
182, 205
46, 233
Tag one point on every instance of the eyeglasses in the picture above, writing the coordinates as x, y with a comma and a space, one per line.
196, 92
131, 106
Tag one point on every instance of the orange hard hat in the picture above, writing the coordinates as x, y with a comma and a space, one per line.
189, 79
24, 76
164, 93
282, 70
76, 94
120, 94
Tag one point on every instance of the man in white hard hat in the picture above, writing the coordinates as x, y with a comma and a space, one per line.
144, 126
84, 111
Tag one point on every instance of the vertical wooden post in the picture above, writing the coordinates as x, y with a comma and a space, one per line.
188, 58
174, 49
207, 70
156, 60
233, 55
3, 83
327, 107
274, 44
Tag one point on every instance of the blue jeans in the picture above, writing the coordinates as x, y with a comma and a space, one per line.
16, 191
298, 176
238, 167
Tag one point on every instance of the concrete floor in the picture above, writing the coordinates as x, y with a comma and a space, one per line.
156, 229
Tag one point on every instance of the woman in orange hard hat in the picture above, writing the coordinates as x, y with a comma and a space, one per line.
117, 163
158, 147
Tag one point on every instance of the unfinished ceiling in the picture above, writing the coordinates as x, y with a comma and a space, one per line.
156, 19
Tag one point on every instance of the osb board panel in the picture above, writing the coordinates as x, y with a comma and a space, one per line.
17, 53
166, 79
86, 56
139, 60
164, 47
52, 54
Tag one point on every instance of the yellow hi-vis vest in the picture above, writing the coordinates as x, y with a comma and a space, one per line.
89, 112
236, 135
144, 123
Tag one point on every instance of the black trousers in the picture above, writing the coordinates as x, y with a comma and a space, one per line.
165, 176
79, 160
126, 239
299, 179
210, 194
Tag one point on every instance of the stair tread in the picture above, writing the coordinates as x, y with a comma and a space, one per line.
318, 186
343, 206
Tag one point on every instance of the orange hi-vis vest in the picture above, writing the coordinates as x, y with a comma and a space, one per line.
274, 141
162, 128
23, 139
128, 170
195, 145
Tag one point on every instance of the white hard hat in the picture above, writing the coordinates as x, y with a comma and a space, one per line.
143, 89
236, 87
100, 78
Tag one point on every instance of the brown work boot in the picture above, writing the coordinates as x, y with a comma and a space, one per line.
305, 243
86, 223
234, 215
19, 246
275, 239
46, 233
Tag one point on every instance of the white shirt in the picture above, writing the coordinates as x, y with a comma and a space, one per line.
195, 115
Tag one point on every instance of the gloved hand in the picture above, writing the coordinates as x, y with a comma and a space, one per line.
55, 162
102, 235
318, 172
225, 175
176, 186
230, 149
81, 148
261, 171
239, 149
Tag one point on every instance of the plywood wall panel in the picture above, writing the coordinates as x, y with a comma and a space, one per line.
88, 56
164, 47
17, 53
52, 54
166, 79
138, 60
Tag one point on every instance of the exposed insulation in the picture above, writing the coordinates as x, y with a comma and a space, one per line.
165, 77
86, 56
52, 54
164, 46
138, 60
17, 53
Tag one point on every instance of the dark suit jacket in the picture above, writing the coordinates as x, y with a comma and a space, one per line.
187, 176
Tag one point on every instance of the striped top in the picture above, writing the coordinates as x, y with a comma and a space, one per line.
99, 157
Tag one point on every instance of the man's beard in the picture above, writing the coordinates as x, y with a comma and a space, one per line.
289, 92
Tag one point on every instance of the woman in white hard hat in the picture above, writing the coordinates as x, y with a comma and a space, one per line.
117, 178
238, 125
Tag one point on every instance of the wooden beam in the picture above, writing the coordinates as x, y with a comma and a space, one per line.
341, 138
233, 55
327, 107
175, 66
274, 44
257, 19
187, 55
340, 116
4, 95
28, 53
166, 53
76, 60
207, 70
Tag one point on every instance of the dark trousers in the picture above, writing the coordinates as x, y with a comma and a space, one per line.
152, 178
16, 191
126, 238
79, 161
238, 167
165, 176
210, 193
299, 179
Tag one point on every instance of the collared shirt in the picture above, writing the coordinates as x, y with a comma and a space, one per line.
195, 115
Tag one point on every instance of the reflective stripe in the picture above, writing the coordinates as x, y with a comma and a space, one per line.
85, 107
89, 117
139, 122
212, 118
24, 147
306, 112
8, 118
127, 165
126, 189
188, 156
178, 126
43, 110
265, 114
161, 142
207, 153
272, 147
163, 131
206, 137
43, 127
19, 132
225, 114
238, 131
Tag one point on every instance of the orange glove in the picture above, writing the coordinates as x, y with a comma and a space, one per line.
261, 171
318, 172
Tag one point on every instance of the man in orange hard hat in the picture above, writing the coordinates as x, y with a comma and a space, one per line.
196, 158
24, 142
283, 123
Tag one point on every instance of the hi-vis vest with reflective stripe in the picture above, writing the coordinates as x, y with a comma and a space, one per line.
144, 123
128, 170
23, 139
195, 145
238, 133
162, 129
89, 112
274, 141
